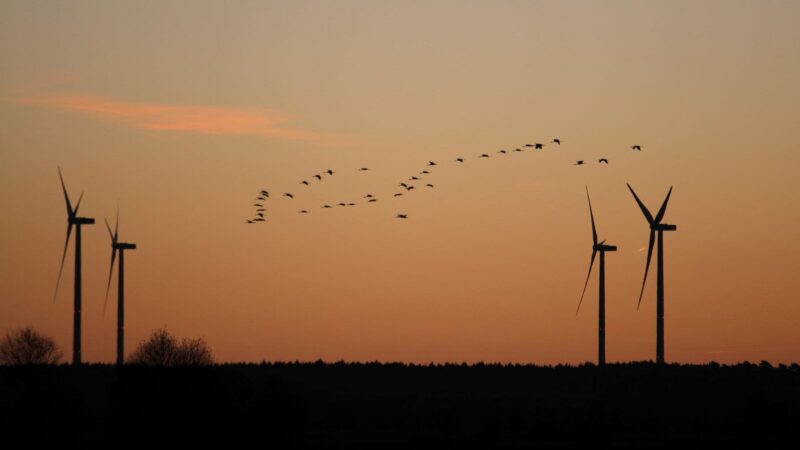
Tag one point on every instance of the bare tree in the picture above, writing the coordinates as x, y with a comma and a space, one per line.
28, 346
162, 349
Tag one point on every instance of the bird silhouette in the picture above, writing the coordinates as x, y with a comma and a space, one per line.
260, 214
303, 211
249, 221
429, 185
528, 145
258, 204
502, 151
424, 172
431, 163
398, 194
351, 204
368, 196
264, 194
578, 162
403, 185
342, 204
636, 147
602, 160
318, 177
410, 188
483, 155
364, 168
413, 179
330, 172
261, 209
517, 149
260, 219
327, 206
261, 198
461, 160
557, 141
304, 182
538, 146
287, 194
372, 200
402, 216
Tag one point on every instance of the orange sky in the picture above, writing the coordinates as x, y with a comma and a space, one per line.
180, 114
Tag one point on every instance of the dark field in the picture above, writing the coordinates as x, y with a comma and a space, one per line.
397, 406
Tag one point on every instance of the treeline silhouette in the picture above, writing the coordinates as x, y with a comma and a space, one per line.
313, 405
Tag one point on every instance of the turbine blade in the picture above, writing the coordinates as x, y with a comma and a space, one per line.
116, 227
591, 214
663, 209
66, 196
591, 263
63, 257
646, 213
110, 234
110, 272
647, 265
77, 205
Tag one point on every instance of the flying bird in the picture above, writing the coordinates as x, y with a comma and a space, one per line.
528, 145
260, 214
410, 188
287, 194
258, 204
402, 216
351, 204
398, 194
342, 204
372, 200
602, 160
461, 160
327, 206
578, 162
303, 211
249, 221
431, 163
403, 185
265, 193
368, 196
502, 151
517, 149
330, 172
429, 185
483, 155
538, 146
261, 198
318, 177
364, 168
424, 172
260, 219
261, 209
636, 147
304, 182
413, 179
557, 141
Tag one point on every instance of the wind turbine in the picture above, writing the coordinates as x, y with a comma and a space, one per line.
656, 226
116, 247
601, 247
74, 220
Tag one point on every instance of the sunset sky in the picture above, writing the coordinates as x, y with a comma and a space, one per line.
181, 112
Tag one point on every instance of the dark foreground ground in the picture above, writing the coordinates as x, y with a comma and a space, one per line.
397, 406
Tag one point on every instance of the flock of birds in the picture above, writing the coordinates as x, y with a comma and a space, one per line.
407, 186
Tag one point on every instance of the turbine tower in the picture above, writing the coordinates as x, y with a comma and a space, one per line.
120, 247
77, 222
601, 247
656, 226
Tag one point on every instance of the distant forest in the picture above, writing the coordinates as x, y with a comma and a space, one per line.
373, 405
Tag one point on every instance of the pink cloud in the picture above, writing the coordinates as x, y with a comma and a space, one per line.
268, 123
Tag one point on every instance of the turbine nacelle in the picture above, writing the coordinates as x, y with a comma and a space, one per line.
663, 227
81, 221
601, 247
124, 246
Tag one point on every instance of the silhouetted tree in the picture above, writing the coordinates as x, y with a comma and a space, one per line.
28, 346
162, 349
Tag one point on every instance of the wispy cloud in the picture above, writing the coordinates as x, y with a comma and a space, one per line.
268, 123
